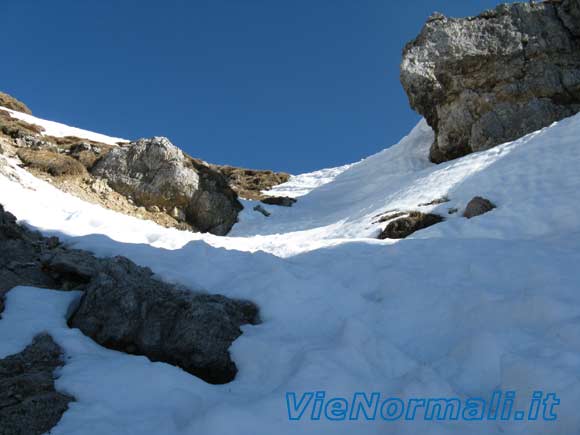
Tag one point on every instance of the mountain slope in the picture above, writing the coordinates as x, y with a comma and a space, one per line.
459, 309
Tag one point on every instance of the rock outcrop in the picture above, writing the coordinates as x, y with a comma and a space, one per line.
477, 206
402, 227
124, 307
154, 172
481, 81
29, 403
21, 252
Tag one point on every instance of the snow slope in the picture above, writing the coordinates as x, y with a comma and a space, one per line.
459, 309
300, 185
57, 129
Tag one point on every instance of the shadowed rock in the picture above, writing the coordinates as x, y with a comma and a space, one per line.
405, 226
29, 403
477, 206
124, 308
481, 81
283, 201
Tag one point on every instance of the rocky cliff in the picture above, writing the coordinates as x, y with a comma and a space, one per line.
484, 80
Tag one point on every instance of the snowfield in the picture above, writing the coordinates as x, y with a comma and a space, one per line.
57, 129
459, 309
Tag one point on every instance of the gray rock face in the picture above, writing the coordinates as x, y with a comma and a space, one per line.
477, 206
481, 81
283, 201
154, 172
125, 309
20, 256
29, 403
403, 227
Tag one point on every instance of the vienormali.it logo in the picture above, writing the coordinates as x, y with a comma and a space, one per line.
316, 405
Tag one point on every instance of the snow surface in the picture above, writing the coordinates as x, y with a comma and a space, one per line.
57, 129
300, 185
459, 309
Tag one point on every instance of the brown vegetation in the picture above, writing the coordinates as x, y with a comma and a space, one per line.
12, 103
52, 163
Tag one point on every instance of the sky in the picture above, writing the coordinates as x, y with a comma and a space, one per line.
285, 85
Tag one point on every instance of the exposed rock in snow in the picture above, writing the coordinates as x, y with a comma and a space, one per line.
124, 308
262, 210
485, 80
29, 403
283, 201
154, 172
403, 227
477, 206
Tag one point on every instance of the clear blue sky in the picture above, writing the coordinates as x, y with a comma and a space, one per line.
290, 85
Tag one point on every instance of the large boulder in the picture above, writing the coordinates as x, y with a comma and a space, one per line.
481, 81
124, 308
154, 172
29, 403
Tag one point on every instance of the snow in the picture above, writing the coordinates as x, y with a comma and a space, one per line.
459, 309
57, 129
300, 185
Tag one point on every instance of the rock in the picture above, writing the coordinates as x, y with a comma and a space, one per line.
405, 226
178, 214
73, 266
100, 186
482, 81
262, 210
283, 201
29, 403
435, 201
477, 206
154, 172
20, 253
12, 103
124, 308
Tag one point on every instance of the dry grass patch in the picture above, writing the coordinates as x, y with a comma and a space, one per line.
12, 103
52, 163
16, 128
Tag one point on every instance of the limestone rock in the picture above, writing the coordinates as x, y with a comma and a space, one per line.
154, 172
481, 81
